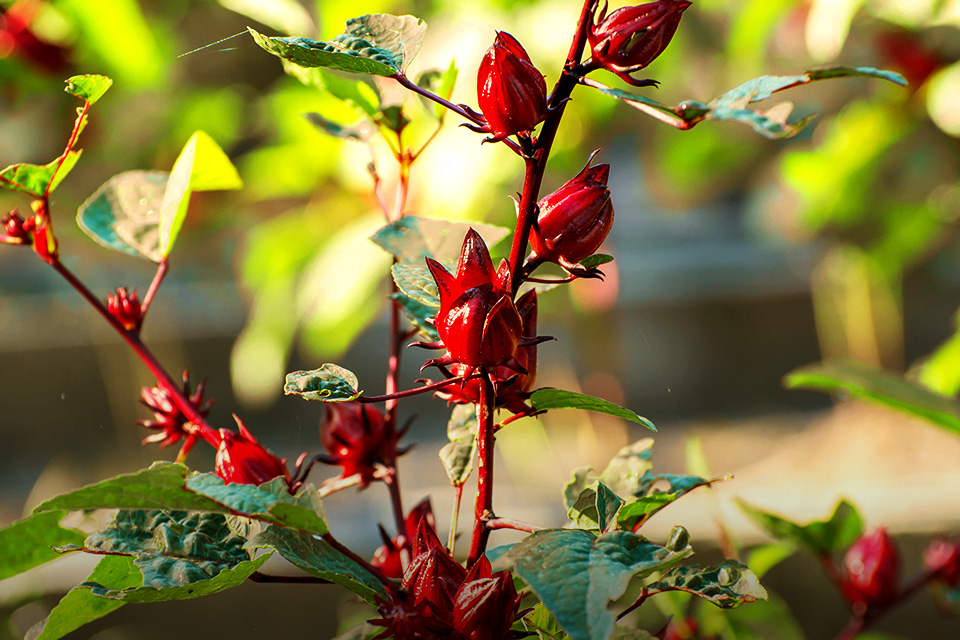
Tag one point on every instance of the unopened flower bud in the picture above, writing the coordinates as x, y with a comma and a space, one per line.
630, 38
871, 570
511, 93
486, 604
355, 435
125, 307
433, 577
16, 229
243, 460
574, 220
943, 559
169, 423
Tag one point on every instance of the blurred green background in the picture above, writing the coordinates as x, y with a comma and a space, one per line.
737, 258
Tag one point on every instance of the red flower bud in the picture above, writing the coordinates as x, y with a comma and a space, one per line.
387, 556
485, 605
243, 460
511, 93
871, 570
355, 435
433, 576
630, 38
478, 322
574, 220
169, 422
16, 229
125, 307
16, 37
943, 559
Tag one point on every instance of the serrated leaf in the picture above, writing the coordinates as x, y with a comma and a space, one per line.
35, 180
80, 606
378, 44
124, 213
329, 383
726, 585
595, 509
318, 558
28, 543
821, 537
166, 486
411, 239
732, 105
416, 283
201, 166
546, 399
419, 314
576, 575
88, 87
860, 381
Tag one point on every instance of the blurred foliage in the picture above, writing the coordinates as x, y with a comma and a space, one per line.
875, 183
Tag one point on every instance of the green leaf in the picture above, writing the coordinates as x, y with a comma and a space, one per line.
124, 213
88, 87
821, 537
597, 259
726, 585
166, 486
318, 558
35, 180
27, 544
882, 387
329, 383
357, 132
378, 44
576, 575
417, 284
546, 399
732, 105
634, 514
595, 509
80, 606
769, 619
765, 557
201, 166
543, 623
940, 372
629, 473
411, 239
419, 314
457, 455
356, 91
440, 83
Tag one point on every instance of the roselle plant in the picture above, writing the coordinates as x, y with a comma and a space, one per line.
180, 533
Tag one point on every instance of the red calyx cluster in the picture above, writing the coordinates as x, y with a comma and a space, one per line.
871, 573
169, 422
356, 436
441, 599
243, 460
125, 307
387, 557
511, 92
17, 230
478, 322
573, 221
630, 38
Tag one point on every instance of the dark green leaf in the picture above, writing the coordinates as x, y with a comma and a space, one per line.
378, 44
860, 381
318, 558
420, 315
733, 104
546, 399
329, 383
88, 87
726, 585
597, 259
577, 575
27, 544
35, 180
81, 606
411, 239
595, 509
124, 213
821, 537
417, 284
169, 581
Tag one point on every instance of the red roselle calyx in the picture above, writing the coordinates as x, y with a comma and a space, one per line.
942, 558
486, 604
511, 93
387, 557
356, 436
169, 422
573, 221
512, 388
478, 322
630, 38
125, 307
243, 460
871, 571
433, 577
17, 230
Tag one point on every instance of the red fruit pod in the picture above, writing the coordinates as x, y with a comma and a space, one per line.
243, 460
511, 92
485, 605
871, 570
630, 38
433, 576
574, 220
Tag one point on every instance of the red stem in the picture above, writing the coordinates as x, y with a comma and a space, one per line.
433, 386
508, 523
483, 508
72, 141
154, 287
